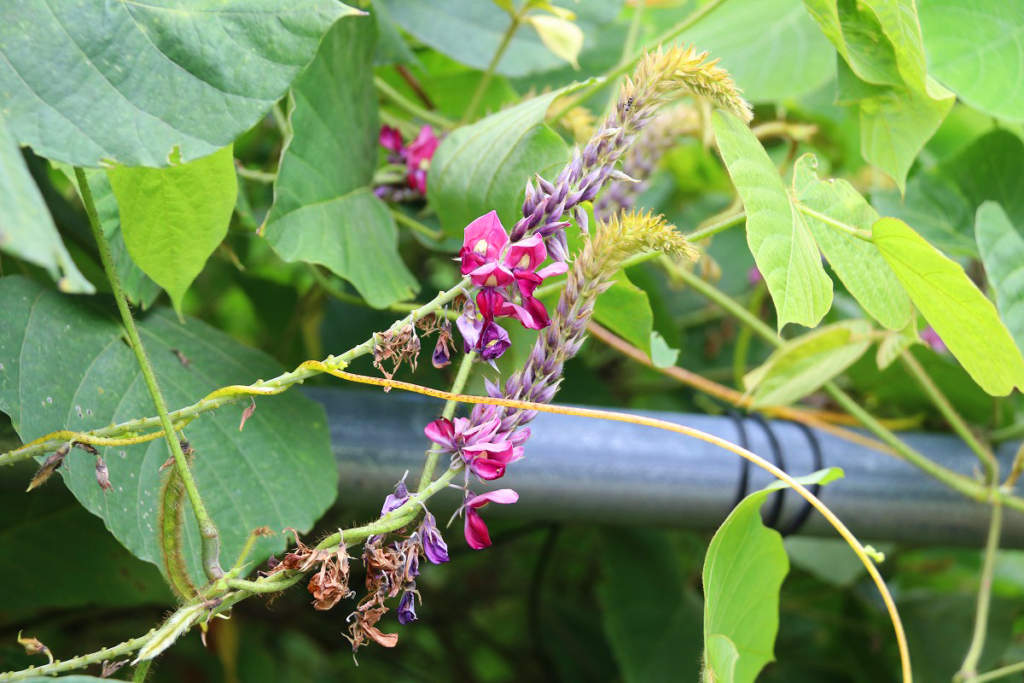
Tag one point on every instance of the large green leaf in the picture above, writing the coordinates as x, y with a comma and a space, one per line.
470, 31
800, 366
882, 68
976, 49
324, 210
772, 48
777, 232
964, 318
173, 218
128, 82
1002, 250
991, 168
278, 472
743, 572
26, 227
485, 166
653, 627
857, 263
111, 577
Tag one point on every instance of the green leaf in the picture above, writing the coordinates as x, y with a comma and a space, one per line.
662, 355
470, 32
882, 68
626, 311
857, 263
743, 572
895, 343
26, 227
173, 218
111, 577
937, 209
722, 657
485, 166
129, 82
772, 48
653, 627
1002, 251
954, 307
278, 472
991, 169
800, 366
976, 50
137, 286
324, 210
777, 232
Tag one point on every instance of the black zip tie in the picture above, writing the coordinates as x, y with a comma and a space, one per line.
744, 442
801, 517
775, 513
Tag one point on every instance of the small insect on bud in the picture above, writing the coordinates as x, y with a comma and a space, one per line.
111, 668
33, 646
102, 475
88, 448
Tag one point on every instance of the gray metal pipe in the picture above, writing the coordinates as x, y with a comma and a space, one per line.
578, 469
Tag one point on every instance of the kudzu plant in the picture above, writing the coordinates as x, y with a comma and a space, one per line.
277, 167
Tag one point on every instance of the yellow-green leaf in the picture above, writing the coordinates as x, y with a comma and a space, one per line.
777, 232
964, 318
1002, 251
802, 365
173, 218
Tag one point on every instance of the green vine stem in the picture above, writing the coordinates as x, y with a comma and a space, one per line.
223, 396
141, 671
958, 482
485, 80
968, 671
92, 659
403, 102
996, 674
414, 224
987, 458
461, 377
207, 529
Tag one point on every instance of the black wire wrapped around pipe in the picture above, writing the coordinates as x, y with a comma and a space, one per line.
582, 470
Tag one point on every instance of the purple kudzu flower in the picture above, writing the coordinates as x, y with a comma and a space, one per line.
397, 499
434, 546
476, 532
482, 334
407, 608
485, 452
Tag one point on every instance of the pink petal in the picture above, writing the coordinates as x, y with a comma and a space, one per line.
423, 147
486, 236
491, 274
487, 469
552, 269
526, 254
476, 531
440, 432
500, 496
390, 139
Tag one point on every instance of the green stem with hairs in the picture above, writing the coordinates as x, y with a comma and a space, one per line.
403, 102
968, 671
715, 228
141, 671
233, 394
207, 529
485, 80
987, 458
461, 377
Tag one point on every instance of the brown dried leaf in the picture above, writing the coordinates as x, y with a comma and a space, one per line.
49, 466
247, 413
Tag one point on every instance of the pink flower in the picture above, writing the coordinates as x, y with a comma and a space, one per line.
484, 451
418, 155
476, 532
754, 276
391, 139
484, 240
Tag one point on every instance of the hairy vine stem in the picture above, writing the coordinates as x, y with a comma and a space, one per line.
207, 528
236, 590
